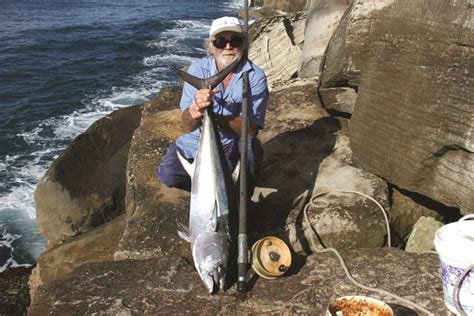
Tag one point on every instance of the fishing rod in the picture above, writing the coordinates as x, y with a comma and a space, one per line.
242, 244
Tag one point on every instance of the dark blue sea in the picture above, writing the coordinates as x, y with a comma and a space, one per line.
65, 64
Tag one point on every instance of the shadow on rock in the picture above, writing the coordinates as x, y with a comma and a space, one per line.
401, 310
289, 169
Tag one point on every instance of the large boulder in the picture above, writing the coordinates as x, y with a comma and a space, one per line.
347, 53
339, 100
414, 115
276, 46
423, 235
169, 285
322, 20
84, 187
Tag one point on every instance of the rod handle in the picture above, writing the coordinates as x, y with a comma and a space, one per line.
242, 282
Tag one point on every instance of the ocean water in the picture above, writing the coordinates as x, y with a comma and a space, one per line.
65, 64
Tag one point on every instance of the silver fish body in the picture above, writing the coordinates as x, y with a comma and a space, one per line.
209, 232
212, 200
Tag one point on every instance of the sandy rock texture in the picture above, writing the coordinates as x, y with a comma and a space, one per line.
96, 245
152, 209
169, 285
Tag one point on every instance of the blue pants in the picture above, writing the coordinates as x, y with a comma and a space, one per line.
172, 174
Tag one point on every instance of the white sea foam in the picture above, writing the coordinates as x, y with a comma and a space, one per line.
21, 198
12, 264
167, 59
236, 4
188, 28
174, 39
6, 240
25, 171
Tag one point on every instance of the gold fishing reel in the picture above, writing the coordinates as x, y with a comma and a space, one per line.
271, 257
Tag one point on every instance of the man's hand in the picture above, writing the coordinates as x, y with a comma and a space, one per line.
202, 101
194, 114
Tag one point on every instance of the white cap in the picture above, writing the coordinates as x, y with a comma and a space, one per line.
226, 23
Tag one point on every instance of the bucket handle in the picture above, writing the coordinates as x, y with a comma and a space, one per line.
468, 216
457, 287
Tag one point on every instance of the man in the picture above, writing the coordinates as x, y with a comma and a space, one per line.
226, 43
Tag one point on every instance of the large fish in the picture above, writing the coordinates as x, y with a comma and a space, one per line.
212, 202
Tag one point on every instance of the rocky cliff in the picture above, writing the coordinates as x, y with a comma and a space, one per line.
373, 97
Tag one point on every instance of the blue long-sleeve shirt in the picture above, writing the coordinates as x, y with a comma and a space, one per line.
226, 102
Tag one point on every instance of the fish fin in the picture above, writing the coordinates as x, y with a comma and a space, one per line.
236, 173
207, 83
196, 82
183, 236
183, 232
189, 167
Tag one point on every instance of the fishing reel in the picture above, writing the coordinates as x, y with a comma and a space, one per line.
270, 257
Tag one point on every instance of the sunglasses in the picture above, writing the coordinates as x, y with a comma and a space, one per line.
234, 41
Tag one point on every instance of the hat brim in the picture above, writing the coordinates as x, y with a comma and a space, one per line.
229, 28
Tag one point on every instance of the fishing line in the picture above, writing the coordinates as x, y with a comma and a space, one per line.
317, 249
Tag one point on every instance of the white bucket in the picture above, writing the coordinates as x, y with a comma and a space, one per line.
454, 244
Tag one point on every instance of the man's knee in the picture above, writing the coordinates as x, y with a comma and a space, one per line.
171, 172
166, 175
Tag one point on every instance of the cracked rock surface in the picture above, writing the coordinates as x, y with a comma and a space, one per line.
169, 285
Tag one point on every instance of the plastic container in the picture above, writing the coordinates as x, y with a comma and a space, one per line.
454, 244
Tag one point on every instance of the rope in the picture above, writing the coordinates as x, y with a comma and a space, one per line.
457, 287
341, 260
313, 203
